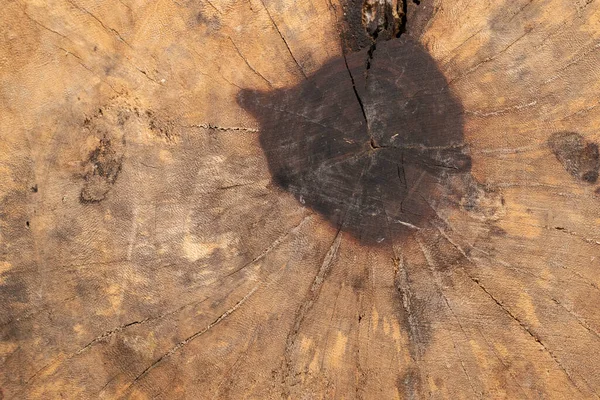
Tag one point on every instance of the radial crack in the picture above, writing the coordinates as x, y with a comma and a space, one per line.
309, 300
361, 104
191, 338
527, 330
248, 64
284, 41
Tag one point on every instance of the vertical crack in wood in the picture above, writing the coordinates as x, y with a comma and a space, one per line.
360, 102
284, 41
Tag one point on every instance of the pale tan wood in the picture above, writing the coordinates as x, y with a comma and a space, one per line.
180, 270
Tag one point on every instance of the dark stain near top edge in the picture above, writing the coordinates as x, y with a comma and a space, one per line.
373, 140
579, 157
371, 156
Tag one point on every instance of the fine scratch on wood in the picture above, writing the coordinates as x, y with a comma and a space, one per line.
284, 41
304, 117
499, 358
214, 7
454, 51
261, 76
580, 320
108, 29
108, 334
45, 27
487, 60
582, 57
94, 73
272, 246
526, 329
502, 111
191, 338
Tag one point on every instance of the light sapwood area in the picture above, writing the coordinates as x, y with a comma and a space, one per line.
301, 199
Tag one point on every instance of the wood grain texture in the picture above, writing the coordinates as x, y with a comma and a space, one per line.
286, 199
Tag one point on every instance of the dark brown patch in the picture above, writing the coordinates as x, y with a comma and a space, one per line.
102, 169
409, 384
370, 154
212, 23
358, 283
162, 127
123, 116
578, 157
497, 231
483, 202
13, 290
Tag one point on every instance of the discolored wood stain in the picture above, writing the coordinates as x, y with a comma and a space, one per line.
578, 156
370, 150
104, 165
